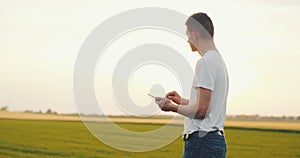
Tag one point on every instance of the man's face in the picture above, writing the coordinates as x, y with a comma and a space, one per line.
190, 41
193, 48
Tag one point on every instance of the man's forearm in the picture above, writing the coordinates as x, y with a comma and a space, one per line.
191, 111
184, 101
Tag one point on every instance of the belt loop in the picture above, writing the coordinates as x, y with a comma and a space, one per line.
222, 132
185, 136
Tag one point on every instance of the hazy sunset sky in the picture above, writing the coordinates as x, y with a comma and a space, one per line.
40, 40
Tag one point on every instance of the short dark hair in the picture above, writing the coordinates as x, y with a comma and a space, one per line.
195, 21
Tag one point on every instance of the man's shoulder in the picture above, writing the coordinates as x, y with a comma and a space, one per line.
214, 58
213, 54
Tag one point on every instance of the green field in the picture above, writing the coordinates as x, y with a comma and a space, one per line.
27, 138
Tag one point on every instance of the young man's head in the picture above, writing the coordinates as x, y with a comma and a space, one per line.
199, 29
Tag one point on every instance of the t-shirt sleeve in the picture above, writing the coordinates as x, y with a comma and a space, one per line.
203, 76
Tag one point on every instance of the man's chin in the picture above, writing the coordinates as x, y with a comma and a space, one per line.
194, 50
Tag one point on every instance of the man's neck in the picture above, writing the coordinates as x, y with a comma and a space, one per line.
204, 47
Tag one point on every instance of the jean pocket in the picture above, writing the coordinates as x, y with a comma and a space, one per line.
191, 143
216, 148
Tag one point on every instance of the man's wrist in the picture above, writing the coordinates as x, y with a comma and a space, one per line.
174, 108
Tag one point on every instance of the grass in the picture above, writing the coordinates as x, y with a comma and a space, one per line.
32, 138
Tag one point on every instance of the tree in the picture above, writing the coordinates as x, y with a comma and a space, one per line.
4, 108
49, 111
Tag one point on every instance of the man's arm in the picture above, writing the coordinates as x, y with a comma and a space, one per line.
176, 98
184, 101
197, 111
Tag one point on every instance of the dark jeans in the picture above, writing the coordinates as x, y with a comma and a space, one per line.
212, 145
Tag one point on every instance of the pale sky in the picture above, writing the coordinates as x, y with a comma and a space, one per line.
40, 40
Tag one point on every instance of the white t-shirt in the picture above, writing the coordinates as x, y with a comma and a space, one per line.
211, 74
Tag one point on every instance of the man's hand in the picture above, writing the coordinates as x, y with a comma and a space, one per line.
176, 98
165, 104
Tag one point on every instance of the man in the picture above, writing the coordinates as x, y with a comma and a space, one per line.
205, 111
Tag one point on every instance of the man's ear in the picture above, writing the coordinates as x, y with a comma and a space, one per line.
195, 35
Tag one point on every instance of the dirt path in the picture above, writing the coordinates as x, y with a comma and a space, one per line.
38, 116
240, 124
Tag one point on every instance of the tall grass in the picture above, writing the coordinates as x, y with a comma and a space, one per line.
28, 138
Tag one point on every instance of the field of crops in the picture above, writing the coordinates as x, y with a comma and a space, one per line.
29, 138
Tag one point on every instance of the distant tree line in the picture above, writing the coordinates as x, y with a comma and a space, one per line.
262, 118
49, 111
